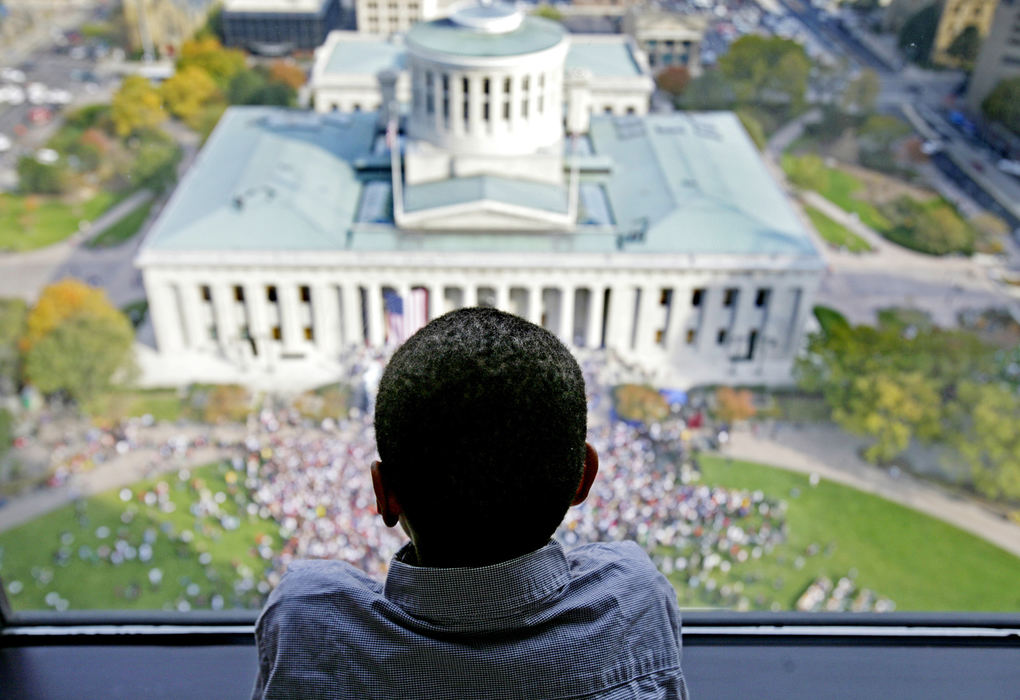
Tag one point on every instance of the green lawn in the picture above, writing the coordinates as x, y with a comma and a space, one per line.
60, 554
917, 561
161, 404
123, 229
28, 222
835, 233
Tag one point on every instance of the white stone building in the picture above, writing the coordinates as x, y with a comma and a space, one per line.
297, 235
385, 17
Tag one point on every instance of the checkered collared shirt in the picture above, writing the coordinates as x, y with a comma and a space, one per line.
596, 622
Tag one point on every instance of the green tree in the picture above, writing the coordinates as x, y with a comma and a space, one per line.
255, 87
861, 93
965, 45
208, 54
807, 171
12, 326
136, 105
6, 431
769, 71
41, 178
549, 12
989, 440
187, 92
918, 34
155, 162
711, 90
1003, 104
82, 357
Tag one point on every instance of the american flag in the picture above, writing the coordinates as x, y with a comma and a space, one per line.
403, 319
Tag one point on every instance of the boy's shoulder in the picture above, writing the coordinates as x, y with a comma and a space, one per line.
317, 583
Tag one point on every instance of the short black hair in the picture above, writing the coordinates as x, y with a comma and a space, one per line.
480, 423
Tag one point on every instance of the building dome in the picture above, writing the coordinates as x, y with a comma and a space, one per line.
487, 80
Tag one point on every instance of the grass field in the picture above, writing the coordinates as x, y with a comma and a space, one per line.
835, 233
917, 561
30, 222
206, 557
123, 229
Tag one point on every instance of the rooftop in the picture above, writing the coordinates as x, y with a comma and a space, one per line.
359, 53
271, 179
605, 56
454, 37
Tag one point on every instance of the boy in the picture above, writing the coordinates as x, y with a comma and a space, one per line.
480, 424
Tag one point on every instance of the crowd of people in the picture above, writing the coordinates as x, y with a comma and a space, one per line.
312, 479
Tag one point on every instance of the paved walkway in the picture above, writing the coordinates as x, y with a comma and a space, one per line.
831, 453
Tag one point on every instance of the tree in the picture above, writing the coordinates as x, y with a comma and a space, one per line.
41, 178
711, 90
918, 34
208, 54
673, 79
989, 441
155, 163
187, 92
861, 93
807, 171
60, 302
732, 405
768, 71
549, 12
966, 45
136, 105
1003, 104
82, 356
12, 326
253, 87
287, 73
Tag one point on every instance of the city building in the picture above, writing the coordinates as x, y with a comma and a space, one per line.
1000, 54
276, 27
667, 38
957, 15
387, 17
161, 26
299, 235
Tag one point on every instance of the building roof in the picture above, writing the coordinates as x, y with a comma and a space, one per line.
272, 179
447, 36
358, 54
607, 57
492, 188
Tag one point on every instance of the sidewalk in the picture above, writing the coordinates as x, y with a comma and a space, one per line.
831, 453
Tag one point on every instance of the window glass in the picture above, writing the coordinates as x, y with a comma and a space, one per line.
781, 239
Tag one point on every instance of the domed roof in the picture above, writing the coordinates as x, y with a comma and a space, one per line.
486, 30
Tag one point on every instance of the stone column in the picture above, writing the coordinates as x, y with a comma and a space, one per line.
191, 302
290, 320
475, 123
535, 304
503, 297
374, 314
258, 322
223, 314
621, 317
457, 103
350, 314
712, 315
647, 320
165, 316
567, 302
679, 313
325, 318
435, 301
593, 331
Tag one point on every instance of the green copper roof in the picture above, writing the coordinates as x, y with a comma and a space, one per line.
446, 36
283, 180
609, 59
358, 56
464, 190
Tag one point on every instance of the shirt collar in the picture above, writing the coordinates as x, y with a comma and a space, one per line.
463, 594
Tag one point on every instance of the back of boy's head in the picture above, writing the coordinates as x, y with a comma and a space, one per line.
480, 422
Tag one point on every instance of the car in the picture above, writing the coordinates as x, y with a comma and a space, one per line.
12, 75
5, 143
47, 156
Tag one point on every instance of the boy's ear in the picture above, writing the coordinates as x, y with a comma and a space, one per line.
385, 500
591, 469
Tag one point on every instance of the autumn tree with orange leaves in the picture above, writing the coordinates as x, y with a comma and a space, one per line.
76, 342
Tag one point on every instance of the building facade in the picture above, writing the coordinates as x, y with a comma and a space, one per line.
667, 38
161, 26
957, 15
1000, 54
272, 27
386, 17
300, 235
